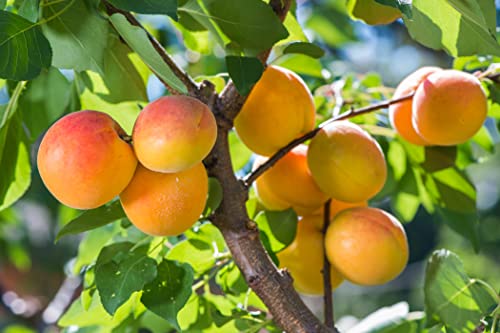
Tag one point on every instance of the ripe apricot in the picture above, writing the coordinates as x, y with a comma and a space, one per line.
165, 204
83, 160
278, 109
174, 133
346, 162
367, 245
373, 13
290, 182
401, 113
449, 107
304, 259
336, 206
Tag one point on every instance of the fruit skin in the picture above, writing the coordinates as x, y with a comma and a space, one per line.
83, 160
401, 113
304, 259
174, 133
373, 13
279, 109
165, 204
289, 183
449, 106
336, 206
346, 162
367, 245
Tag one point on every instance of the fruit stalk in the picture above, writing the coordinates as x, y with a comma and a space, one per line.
328, 299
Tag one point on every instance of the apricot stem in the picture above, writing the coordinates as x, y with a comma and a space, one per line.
328, 301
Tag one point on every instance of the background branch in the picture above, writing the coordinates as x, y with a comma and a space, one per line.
250, 178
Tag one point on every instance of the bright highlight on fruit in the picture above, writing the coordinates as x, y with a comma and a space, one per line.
346, 162
367, 245
174, 133
84, 161
304, 258
165, 204
279, 109
289, 183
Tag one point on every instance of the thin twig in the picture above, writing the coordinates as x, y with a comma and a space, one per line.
250, 178
327, 283
191, 86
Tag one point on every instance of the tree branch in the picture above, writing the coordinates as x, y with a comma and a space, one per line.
250, 178
191, 86
327, 283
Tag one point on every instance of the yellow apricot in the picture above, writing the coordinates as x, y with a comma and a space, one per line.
304, 259
336, 206
165, 204
346, 162
367, 245
278, 109
174, 133
401, 113
373, 13
289, 183
449, 107
83, 160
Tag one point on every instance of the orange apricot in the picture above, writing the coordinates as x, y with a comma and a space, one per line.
289, 183
279, 109
336, 206
449, 107
174, 133
165, 204
401, 113
367, 245
304, 259
371, 12
346, 162
84, 161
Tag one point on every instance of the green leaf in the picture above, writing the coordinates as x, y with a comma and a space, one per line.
240, 154
29, 10
214, 196
92, 219
25, 50
169, 291
250, 23
403, 5
305, 48
406, 201
451, 297
167, 7
2, 4
44, 101
301, 64
138, 40
279, 226
230, 279
460, 27
15, 177
120, 272
244, 71
201, 248
78, 35
439, 158
121, 81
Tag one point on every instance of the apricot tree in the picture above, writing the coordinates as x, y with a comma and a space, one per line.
211, 206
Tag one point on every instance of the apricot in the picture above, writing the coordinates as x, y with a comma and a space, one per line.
346, 162
84, 161
279, 109
373, 13
400, 113
289, 183
336, 206
165, 204
367, 245
449, 107
304, 259
174, 133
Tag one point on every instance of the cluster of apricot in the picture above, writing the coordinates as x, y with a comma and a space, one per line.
364, 245
86, 159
